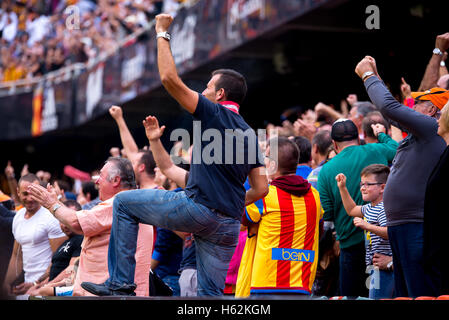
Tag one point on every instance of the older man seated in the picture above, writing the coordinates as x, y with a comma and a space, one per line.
116, 175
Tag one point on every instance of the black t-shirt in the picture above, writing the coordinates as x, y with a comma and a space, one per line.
66, 251
221, 158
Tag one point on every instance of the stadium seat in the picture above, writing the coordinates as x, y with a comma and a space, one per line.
443, 297
403, 298
425, 298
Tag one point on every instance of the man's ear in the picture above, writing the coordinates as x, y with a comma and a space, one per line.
382, 188
141, 167
220, 94
116, 181
432, 110
335, 146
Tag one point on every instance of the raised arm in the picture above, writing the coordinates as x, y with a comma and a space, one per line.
414, 122
12, 183
351, 208
186, 97
432, 73
127, 139
161, 156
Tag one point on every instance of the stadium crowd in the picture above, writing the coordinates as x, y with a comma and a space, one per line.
338, 203
40, 36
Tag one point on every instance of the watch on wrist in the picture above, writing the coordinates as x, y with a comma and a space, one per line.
367, 74
437, 51
442, 63
164, 35
390, 265
55, 207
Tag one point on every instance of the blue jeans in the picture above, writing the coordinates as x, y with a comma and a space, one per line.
216, 235
352, 271
410, 279
381, 285
173, 282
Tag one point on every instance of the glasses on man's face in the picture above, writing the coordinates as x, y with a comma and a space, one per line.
417, 101
369, 184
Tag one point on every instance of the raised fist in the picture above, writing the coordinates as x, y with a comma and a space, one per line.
341, 180
116, 112
163, 22
442, 42
378, 128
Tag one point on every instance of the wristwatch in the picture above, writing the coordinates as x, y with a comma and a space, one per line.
164, 35
55, 207
390, 265
367, 74
437, 51
442, 63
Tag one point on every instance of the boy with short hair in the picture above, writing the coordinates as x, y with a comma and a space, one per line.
371, 218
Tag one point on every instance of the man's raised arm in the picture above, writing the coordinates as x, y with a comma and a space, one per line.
161, 156
127, 139
186, 97
432, 73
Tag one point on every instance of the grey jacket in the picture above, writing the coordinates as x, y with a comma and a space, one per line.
415, 159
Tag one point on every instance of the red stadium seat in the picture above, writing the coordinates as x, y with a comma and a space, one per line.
443, 297
403, 298
425, 298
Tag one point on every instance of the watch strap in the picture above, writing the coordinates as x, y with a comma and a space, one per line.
55, 207
367, 74
437, 51
164, 35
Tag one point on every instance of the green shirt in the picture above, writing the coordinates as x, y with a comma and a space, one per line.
350, 161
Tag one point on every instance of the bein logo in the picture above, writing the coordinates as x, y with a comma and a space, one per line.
292, 254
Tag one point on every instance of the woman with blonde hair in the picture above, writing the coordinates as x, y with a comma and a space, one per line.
436, 215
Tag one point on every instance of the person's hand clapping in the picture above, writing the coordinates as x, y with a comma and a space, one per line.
303, 128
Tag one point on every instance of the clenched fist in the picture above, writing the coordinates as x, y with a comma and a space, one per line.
163, 22
341, 180
116, 112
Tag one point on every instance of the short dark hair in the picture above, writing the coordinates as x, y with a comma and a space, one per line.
370, 119
123, 169
305, 148
323, 140
29, 177
365, 107
90, 187
73, 203
148, 160
233, 83
288, 154
380, 171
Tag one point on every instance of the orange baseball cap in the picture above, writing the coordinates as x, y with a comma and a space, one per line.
438, 96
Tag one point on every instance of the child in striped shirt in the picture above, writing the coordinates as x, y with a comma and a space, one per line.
371, 218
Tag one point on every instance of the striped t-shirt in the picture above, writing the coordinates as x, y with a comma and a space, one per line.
374, 243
